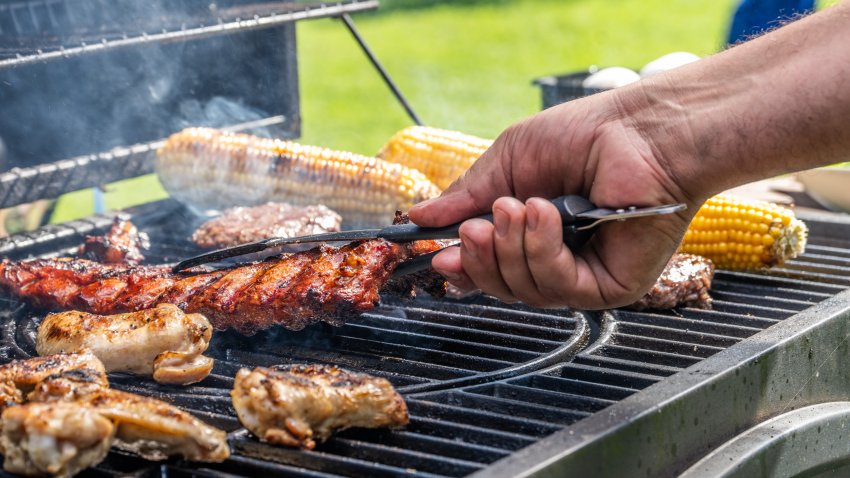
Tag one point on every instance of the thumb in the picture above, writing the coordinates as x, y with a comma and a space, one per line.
470, 195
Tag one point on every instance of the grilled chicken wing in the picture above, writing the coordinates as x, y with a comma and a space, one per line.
152, 428
20, 376
163, 341
57, 439
297, 405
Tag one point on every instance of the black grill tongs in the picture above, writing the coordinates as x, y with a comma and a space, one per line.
579, 216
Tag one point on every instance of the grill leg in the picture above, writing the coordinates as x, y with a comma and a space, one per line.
378, 66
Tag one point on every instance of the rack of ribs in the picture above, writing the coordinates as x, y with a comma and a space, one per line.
291, 290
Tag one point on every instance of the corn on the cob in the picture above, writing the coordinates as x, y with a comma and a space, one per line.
211, 169
441, 154
742, 234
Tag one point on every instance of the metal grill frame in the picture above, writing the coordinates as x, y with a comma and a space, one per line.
660, 431
58, 50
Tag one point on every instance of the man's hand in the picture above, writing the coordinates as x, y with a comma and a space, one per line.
584, 147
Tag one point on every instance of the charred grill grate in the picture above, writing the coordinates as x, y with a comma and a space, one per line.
456, 362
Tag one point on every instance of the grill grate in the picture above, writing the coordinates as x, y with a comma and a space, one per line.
44, 30
456, 362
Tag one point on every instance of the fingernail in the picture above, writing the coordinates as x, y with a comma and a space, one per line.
501, 221
531, 216
468, 247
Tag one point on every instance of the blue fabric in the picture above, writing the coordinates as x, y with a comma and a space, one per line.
755, 16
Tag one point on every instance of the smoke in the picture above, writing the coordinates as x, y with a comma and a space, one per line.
94, 102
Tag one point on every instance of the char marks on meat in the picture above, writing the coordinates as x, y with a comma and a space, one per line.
298, 405
123, 244
248, 224
685, 281
292, 290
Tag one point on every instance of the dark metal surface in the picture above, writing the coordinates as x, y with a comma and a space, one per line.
488, 383
732, 376
64, 29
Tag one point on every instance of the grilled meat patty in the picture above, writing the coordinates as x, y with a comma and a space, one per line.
239, 225
301, 404
123, 244
54, 439
292, 290
162, 341
685, 281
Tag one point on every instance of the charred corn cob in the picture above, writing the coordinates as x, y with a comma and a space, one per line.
742, 234
211, 169
441, 154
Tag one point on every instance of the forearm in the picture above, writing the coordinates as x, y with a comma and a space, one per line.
776, 104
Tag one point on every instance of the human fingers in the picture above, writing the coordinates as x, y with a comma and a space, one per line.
471, 194
558, 277
478, 258
509, 226
447, 263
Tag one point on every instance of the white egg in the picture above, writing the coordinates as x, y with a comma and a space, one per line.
667, 62
612, 77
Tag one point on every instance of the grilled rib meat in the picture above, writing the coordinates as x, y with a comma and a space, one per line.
123, 244
248, 224
685, 281
149, 427
56, 439
300, 404
162, 341
19, 377
292, 290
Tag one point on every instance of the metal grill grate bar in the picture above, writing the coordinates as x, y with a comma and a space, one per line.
570, 401
492, 421
570, 385
483, 398
648, 356
686, 336
627, 367
679, 323
652, 343
469, 433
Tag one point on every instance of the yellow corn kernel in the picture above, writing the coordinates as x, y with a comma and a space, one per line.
742, 234
212, 169
440, 154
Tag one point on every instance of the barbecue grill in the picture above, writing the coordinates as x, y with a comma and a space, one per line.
493, 389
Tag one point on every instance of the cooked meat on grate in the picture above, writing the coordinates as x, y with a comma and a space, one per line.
123, 244
298, 405
19, 377
685, 281
146, 426
292, 290
55, 439
239, 225
162, 341
211, 169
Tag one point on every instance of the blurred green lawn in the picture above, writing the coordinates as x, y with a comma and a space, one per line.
464, 65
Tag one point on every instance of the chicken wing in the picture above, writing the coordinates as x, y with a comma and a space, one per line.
162, 341
20, 376
57, 439
149, 427
299, 404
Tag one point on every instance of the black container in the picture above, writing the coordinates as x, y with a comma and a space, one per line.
562, 88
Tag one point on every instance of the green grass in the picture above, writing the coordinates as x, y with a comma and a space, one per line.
464, 65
